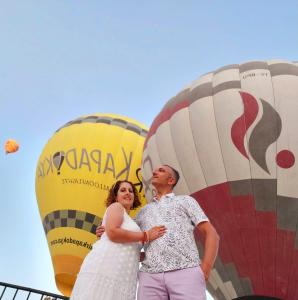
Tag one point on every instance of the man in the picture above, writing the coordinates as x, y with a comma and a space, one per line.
172, 268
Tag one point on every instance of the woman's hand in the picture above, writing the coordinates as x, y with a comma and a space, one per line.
142, 256
156, 232
100, 231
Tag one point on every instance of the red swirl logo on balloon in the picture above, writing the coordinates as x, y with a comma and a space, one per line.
262, 135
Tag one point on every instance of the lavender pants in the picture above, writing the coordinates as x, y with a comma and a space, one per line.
185, 284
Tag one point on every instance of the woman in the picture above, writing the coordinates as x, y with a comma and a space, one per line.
109, 271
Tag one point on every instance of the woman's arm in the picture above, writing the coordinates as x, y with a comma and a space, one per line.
116, 234
114, 220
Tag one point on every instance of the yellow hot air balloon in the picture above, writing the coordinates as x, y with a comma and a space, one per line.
11, 146
75, 170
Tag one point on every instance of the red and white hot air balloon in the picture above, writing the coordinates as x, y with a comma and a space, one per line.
233, 136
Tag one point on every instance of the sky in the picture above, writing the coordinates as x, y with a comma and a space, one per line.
63, 59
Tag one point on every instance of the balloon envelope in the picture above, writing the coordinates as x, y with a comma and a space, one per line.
11, 146
74, 173
232, 134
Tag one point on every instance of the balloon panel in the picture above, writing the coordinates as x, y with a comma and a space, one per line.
232, 135
76, 169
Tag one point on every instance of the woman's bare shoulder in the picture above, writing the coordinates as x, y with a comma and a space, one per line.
115, 207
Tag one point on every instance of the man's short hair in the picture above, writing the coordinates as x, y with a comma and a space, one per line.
176, 175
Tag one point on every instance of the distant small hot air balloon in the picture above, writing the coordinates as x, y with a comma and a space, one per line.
11, 146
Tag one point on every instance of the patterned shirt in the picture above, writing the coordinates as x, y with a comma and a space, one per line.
177, 248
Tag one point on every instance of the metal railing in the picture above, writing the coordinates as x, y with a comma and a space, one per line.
16, 292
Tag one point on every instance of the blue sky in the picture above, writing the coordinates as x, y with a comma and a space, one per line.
63, 59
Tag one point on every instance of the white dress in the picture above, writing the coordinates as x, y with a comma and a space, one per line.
109, 271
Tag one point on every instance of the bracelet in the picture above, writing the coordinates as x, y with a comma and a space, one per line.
148, 238
144, 237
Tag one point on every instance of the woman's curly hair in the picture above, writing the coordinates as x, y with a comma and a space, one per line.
114, 191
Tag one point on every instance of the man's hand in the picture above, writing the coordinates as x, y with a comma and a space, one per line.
100, 229
206, 270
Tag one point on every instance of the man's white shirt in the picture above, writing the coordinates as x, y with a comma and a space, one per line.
177, 248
